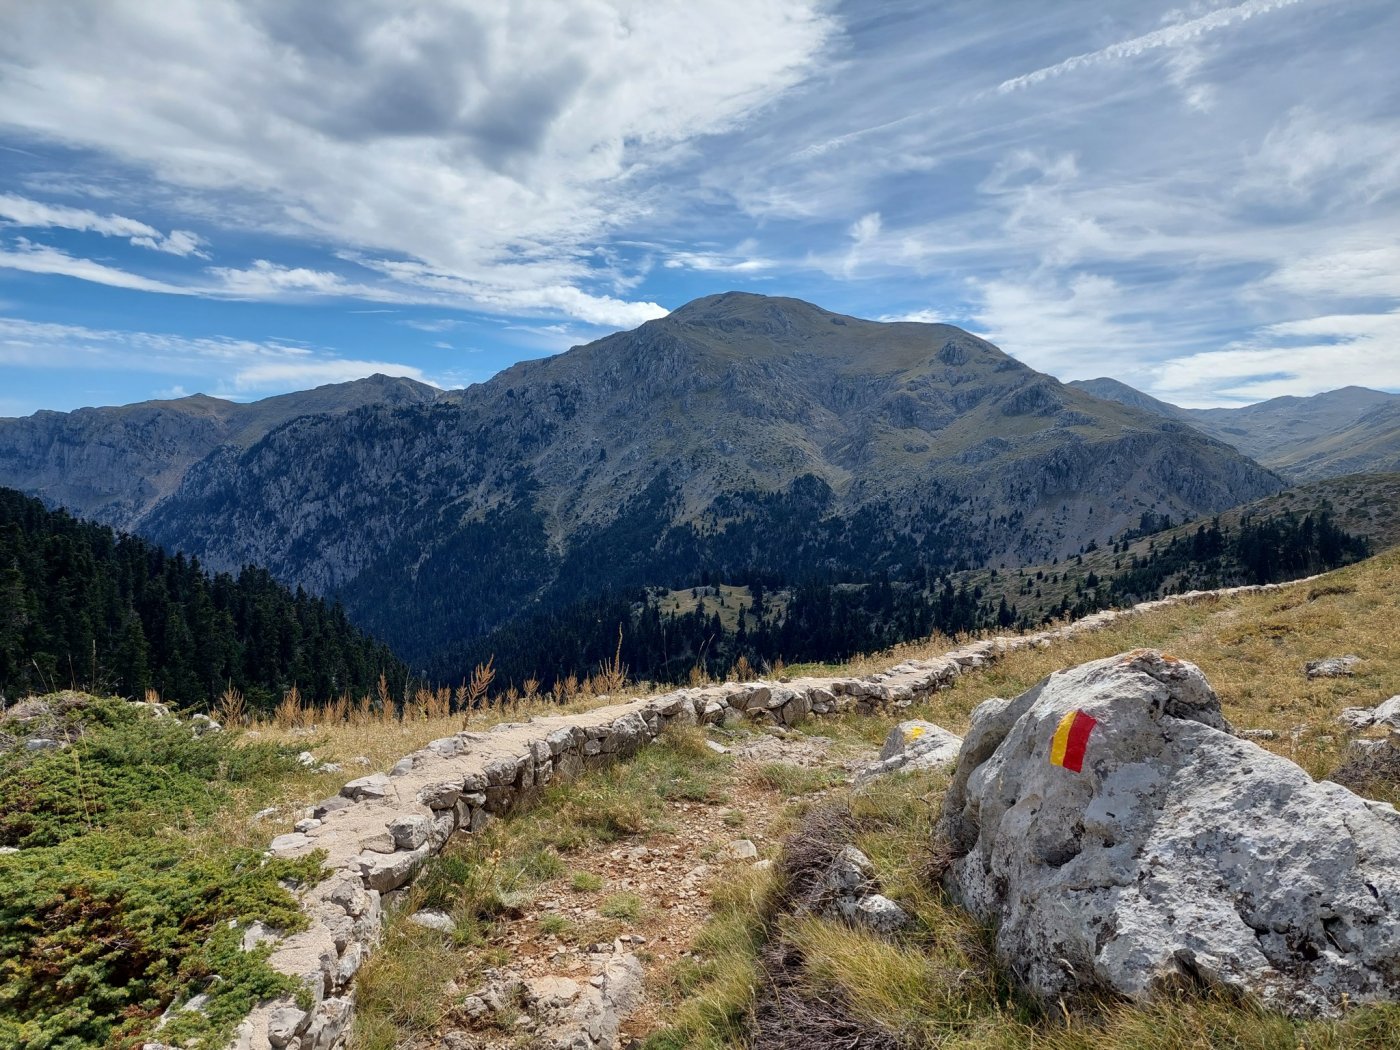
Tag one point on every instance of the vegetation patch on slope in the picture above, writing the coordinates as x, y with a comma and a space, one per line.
115, 904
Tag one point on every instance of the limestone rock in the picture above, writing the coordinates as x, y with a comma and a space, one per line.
914, 745
740, 849
1333, 667
1174, 853
570, 1015
384, 872
376, 785
410, 831
284, 1022
433, 920
1388, 713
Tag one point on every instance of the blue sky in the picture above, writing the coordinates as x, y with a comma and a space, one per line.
243, 198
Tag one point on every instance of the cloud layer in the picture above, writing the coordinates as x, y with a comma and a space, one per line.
1202, 199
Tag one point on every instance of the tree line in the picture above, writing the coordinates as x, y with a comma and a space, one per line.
82, 606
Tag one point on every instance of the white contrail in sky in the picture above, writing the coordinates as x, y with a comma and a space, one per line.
1168, 36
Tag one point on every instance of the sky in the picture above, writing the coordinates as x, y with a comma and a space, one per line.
245, 197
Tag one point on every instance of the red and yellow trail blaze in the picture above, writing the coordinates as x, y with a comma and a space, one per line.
1070, 739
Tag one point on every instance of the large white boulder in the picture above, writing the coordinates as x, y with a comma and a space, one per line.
1176, 854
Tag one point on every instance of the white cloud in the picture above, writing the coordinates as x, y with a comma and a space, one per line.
267, 280
176, 242
39, 258
1175, 35
300, 374
245, 366
744, 259
1309, 156
1076, 329
24, 212
513, 291
1357, 271
464, 138
917, 316
1300, 358
441, 324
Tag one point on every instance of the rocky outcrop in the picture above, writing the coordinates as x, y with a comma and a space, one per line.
1385, 714
849, 890
1122, 839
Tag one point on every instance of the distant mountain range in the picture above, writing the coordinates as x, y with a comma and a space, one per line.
1352, 430
741, 436
114, 465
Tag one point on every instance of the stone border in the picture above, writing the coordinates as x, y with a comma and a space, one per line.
381, 829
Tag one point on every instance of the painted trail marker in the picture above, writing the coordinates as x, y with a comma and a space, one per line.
1070, 739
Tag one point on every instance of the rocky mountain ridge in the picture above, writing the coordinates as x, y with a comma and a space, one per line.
114, 465
1350, 430
741, 433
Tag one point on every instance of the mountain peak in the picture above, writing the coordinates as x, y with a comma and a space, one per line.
750, 306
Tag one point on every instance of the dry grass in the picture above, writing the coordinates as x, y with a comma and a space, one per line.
1252, 649
939, 985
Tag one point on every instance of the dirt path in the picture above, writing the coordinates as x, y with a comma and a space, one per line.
649, 894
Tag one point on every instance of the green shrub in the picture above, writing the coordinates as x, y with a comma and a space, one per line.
99, 934
125, 768
109, 913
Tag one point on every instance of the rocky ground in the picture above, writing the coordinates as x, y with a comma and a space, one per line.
558, 992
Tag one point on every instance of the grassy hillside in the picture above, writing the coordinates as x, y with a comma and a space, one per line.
940, 986
89, 819
1363, 505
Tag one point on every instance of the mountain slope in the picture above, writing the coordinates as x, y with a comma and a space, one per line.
1346, 431
742, 434
114, 464
1114, 390
84, 607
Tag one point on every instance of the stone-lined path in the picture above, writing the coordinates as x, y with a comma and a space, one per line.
381, 829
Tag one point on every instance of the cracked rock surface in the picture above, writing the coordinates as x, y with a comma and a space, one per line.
1179, 853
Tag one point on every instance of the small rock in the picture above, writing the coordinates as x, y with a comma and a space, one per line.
740, 849
1258, 734
326, 806
283, 1023
289, 843
877, 913
306, 758
718, 749
410, 832
258, 933
1388, 713
376, 785
1333, 667
42, 743
433, 920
